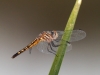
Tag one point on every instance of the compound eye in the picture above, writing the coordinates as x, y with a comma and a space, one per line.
52, 32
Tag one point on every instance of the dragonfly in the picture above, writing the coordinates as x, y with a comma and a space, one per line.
53, 45
49, 41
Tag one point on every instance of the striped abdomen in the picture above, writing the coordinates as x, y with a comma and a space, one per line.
35, 42
42, 37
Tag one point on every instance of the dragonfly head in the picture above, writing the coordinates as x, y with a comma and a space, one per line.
54, 34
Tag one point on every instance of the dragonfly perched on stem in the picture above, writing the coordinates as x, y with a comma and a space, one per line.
53, 47
48, 41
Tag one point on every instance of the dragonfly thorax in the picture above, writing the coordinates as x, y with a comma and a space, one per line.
54, 34
48, 36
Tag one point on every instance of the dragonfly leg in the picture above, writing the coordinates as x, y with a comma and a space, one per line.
57, 40
49, 45
52, 43
59, 44
67, 42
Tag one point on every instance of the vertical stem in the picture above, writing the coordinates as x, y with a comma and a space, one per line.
66, 37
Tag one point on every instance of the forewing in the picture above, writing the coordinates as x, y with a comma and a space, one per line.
75, 36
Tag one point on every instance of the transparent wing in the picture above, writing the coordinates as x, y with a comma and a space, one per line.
75, 36
42, 47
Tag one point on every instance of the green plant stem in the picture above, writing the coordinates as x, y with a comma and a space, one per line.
66, 37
